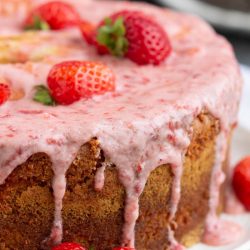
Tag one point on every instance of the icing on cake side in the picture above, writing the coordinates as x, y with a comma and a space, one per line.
135, 124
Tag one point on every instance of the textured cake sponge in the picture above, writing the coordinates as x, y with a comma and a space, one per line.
95, 218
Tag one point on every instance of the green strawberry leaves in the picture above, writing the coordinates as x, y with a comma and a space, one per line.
91, 247
42, 95
38, 24
112, 35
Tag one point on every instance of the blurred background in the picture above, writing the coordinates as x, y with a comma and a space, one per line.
229, 17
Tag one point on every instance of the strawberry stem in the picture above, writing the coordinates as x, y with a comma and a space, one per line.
42, 95
112, 35
38, 24
91, 247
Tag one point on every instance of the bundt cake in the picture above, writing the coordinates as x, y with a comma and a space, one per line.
141, 166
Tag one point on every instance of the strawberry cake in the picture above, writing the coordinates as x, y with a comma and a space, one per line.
115, 126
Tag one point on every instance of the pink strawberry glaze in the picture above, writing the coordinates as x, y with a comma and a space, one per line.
174, 245
10, 9
146, 122
233, 205
219, 232
222, 233
100, 178
178, 247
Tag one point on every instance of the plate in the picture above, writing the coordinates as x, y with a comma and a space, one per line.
229, 19
240, 148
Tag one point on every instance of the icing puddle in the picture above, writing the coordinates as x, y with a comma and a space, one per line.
222, 233
236, 223
230, 227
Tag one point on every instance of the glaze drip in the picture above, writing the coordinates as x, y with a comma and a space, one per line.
219, 232
100, 177
217, 178
175, 199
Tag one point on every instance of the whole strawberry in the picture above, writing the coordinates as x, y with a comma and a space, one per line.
4, 93
88, 31
134, 35
68, 246
241, 182
53, 15
72, 80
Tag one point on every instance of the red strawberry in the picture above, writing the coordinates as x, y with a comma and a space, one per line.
89, 34
4, 93
69, 81
94, 79
54, 15
88, 31
134, 35
241, 182
123, 248
69, 246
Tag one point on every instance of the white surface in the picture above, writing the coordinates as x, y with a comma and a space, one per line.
240, 148
244, 115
